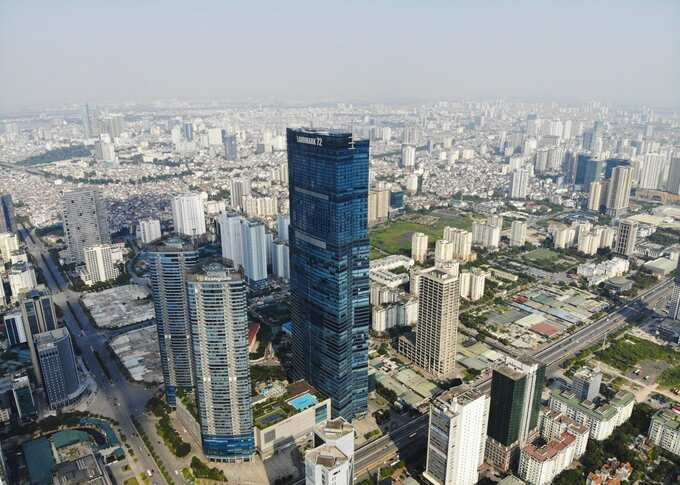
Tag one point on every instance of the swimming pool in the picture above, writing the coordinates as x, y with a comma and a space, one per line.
303, 401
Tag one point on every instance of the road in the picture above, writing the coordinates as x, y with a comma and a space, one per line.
398, 442
116, 398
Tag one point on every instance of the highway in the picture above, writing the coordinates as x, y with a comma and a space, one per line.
413, 435
116, 398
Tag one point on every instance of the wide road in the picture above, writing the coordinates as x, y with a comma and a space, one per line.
414, 433
116, 397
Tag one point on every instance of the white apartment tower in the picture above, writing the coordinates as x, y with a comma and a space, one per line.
456, 437
188, 214
419, 243
518, 233
149, 230
99, 263
462, 242
520, 184
618, 197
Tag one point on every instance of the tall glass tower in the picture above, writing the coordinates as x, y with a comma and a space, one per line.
219, 334
328, 180
170, 261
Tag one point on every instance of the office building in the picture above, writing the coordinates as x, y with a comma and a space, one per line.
595, 197
281, 260
456, 437
219, 335
588, 170
419, 243
38, 316
438, 306
518, 233
7, 216
674, 303
254, 247
14, 328
282, 224
520, 184
462, 242
602, 418
85, 219
188, 215
21, 278
100, 263
586, 383
332, 460
9, 242
23, 399
626, 237
170, 261
329, 264
230, 146
408, 156
240, 187
516, 387
58, 367
149, 230
664, 430
618, 196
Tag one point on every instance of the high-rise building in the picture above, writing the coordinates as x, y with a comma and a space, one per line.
462, 242
674, 304
419, 243
219, 335
9, 242
588, 170
231, 238
14, 328
86, 119
240, 187
626, 237
673, 183
332, 460
443, 252
149, 230
58, 367
586, 383
188, 130
516, 388
282, 224
84, 215
408, 156
329, 253
457, 437
254, 247
486, 234
170, 261
281, 260
188, 214
99, 263
378, 205
230, 146
7, 217
104, 149
21, 278
618, 196
520, 184
438, 306
518, 233
595, 195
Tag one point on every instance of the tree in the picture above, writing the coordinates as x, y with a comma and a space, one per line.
569, 477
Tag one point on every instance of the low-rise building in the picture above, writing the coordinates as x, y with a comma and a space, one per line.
612, 473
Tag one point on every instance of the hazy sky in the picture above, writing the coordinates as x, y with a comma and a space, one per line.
76, 51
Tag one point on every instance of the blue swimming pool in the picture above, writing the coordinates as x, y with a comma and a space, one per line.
303, 401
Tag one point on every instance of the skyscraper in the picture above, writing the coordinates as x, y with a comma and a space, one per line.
618, 196
231, 238
595, 195
281, 260
516, 388
588, 170
84, 215
219, 336
58, 367
170, 261
419, 242
7, 218
674, 304
230, 146
462, 242
520, 184
254, 247
518, 233
149, 230
282, 224
240, 187
626, 238
328, 180
457, 437
38, 316
99, 263
188, 215
673, 183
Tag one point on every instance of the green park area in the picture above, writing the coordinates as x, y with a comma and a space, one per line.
395, 237
548, 260
627, 352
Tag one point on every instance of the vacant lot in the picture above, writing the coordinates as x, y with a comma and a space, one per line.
548, 260
395, 237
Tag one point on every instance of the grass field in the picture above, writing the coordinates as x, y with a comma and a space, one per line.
548, 260
395, 237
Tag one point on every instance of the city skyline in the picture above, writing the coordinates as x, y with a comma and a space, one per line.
569, 51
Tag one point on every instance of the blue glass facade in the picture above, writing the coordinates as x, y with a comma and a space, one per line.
7, 220
329, 250
169, 263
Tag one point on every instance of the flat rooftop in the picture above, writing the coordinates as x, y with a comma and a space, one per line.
119, 306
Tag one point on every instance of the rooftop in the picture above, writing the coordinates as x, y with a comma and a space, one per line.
328, 456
